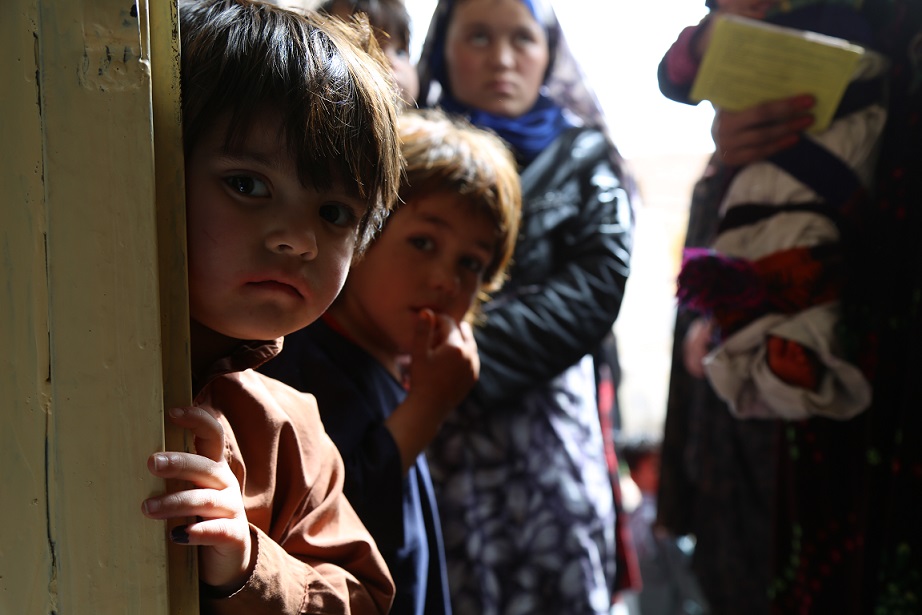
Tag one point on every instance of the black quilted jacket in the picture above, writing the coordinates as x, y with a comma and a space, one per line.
569, 269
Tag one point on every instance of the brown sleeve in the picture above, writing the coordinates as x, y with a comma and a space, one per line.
313, 555
282, 584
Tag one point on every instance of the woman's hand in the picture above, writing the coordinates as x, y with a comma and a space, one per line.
222, 532
697, 345
758, 132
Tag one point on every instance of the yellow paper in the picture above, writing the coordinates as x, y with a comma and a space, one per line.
748, 62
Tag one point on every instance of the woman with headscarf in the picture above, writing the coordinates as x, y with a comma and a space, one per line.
524, 491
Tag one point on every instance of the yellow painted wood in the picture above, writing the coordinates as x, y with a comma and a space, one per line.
82, 378
106, 384
25, 553
171, 220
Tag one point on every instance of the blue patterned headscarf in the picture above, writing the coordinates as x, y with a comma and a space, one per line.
528, 134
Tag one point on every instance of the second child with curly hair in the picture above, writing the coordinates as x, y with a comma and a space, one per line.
395, 354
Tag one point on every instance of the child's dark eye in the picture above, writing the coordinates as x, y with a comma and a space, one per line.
395, 48
422, 243
338, 214
472, 264
246, 185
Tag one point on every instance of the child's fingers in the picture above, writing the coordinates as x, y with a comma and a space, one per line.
212, 532
207, 430
446, 330
191, 467
225, 549
469, 344
422, 336
458, 348
466, 331
207, 503
460, 336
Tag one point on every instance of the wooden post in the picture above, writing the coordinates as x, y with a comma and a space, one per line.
82, 373
174, 297
26, 564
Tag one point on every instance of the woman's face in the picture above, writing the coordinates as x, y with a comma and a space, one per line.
496, 55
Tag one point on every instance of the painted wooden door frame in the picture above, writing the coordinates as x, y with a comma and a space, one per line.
91, 228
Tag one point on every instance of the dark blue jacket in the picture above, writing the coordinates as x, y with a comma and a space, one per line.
355, 394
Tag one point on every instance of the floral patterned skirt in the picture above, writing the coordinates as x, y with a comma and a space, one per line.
525, 500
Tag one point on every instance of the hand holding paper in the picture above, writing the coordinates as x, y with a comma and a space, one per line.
749, 62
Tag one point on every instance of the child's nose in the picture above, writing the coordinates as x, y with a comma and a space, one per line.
446, 280
295, 240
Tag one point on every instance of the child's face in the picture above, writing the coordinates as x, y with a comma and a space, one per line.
646, 475
397, 51
266, 255
431, 254
402, 68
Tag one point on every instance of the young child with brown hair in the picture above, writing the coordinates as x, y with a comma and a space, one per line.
395, 354
291, 163
391, 23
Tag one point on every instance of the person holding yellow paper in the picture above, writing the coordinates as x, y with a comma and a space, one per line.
837, 500
771, 280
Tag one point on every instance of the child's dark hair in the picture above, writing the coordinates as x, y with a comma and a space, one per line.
449, 154
388, 16
329, 84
